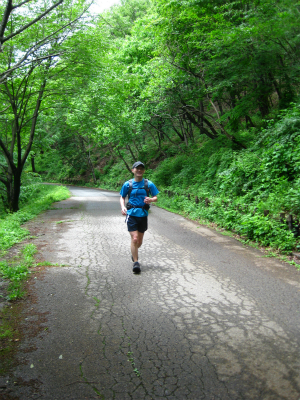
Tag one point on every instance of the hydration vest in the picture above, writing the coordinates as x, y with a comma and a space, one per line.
146, 187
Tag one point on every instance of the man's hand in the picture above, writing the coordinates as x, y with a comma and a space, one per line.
123, 208
149, 200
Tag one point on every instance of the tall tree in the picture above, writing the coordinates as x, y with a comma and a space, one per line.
35, 37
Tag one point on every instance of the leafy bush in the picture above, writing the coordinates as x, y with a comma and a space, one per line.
241, 185
267, 231
169, 169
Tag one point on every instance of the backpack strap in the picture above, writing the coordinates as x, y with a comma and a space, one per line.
146, 187
130, 188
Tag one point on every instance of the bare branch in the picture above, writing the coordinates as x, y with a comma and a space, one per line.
8, 157
5, 18
4, 39
21, 4
2, 111
20, 63
35, 116
3, 181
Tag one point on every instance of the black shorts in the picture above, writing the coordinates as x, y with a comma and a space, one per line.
137, 223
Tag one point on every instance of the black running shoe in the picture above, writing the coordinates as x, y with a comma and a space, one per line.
136, 268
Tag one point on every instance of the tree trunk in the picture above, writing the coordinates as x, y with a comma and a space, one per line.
16, 191
200, 117
275, 84
88, 157
14, 170
220, 107
263, 102
32, 164
191, 130
137, 148
123, 159
13, 186
157, 144
92, 168
130, 151
201, 128
183, 130
161, 133
177, 132
249, 122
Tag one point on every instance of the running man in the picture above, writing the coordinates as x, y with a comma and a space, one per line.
137, 208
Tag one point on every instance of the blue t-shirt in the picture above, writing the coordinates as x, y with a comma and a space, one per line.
137, 196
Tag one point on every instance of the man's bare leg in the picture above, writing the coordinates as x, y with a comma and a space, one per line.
136, 242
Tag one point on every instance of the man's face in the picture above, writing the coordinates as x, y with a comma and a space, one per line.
139, 171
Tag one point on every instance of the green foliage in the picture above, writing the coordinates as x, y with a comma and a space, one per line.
114, 177
267, 232
16, 272
170, 168
242, 185
6, 332
40, 198
201, 92
40, 42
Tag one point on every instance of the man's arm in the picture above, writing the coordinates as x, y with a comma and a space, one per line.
123, 208
149, 200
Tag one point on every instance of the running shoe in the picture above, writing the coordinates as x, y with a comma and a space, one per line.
136, 268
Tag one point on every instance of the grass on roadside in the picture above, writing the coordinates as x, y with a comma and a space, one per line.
16, 271
11, 231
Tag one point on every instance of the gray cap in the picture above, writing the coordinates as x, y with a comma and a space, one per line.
137, 164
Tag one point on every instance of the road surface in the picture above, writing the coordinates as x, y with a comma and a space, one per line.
207, 318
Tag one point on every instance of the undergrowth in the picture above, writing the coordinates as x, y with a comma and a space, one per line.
35, 197
264, 230
250, 192
17, 270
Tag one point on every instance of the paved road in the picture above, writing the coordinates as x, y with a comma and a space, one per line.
206, 319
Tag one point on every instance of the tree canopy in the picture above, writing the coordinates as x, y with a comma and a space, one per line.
161, 80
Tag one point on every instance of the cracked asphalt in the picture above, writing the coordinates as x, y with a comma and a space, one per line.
208, 318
